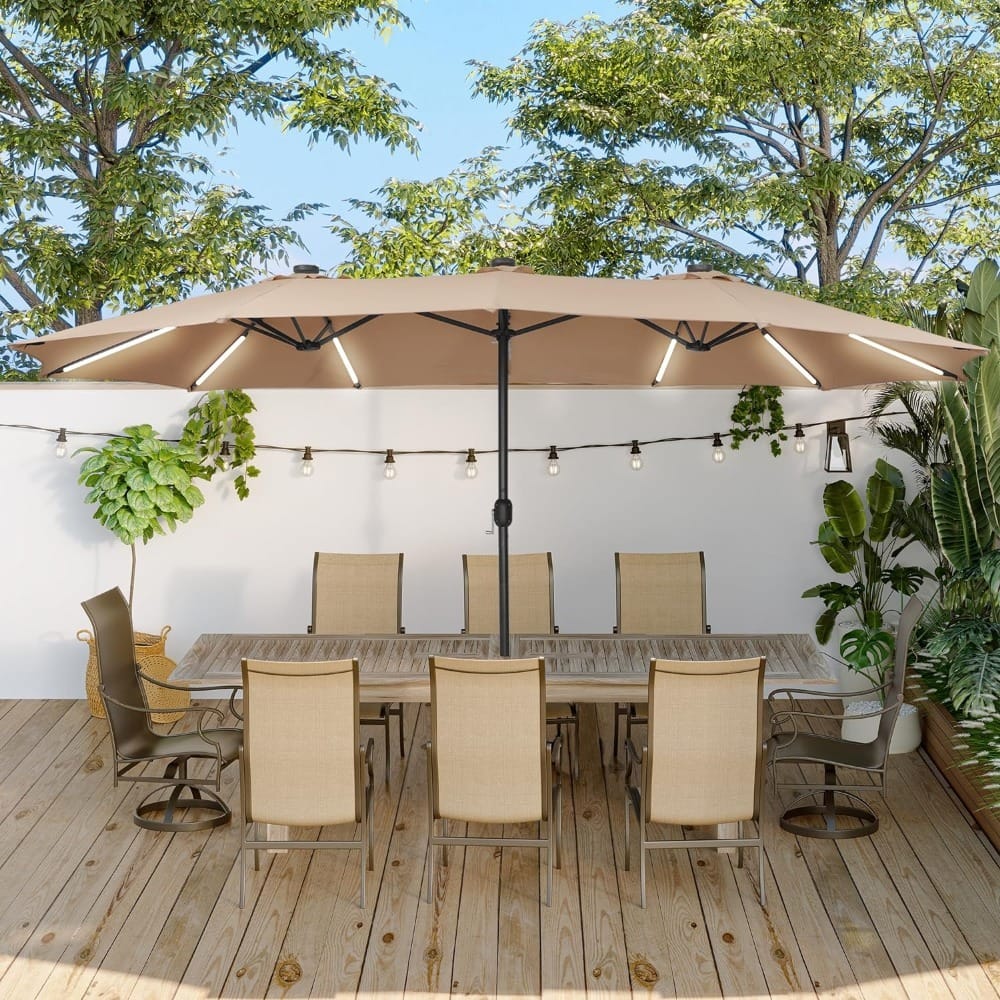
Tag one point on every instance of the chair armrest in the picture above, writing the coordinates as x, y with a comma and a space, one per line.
782, 713
203, 710
367, 753
198, 687
789, 691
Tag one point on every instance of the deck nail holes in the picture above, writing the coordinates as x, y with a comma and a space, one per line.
241, 972
779, 954
196, 854
111, 826
400, 826
728, 938
21, 814
388, 938
90, 863
360, 924
46, 938
395, 863
693, 924
701, 862
84, 955
587, 814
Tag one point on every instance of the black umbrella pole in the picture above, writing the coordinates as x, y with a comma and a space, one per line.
503, 509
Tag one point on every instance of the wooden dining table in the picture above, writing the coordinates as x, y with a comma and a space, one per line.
578, 668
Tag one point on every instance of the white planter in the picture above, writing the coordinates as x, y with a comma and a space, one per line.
905, 737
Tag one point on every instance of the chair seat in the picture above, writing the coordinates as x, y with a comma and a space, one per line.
808, 748
192, 745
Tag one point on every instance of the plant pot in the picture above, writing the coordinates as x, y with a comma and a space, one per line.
905, 737
150, 656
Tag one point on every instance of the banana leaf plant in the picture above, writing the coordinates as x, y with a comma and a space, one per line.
858, 540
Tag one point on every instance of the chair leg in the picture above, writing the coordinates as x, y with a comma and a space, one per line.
739, 850
642, 861
430, 825
760, 864
364, 853
628, 835
550, 859
576, 747
243, 861
402, 734
388, 747
615, 736
444, 847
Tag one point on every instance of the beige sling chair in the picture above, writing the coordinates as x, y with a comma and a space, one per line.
794, 743
657, 593
361, 594
532, 612
302, 762
194, 802
488, 760
703, 763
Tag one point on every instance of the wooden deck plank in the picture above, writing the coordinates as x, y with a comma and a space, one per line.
93, 906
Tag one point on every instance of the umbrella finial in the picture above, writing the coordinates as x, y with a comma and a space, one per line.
503, 262
696, 266
305, 269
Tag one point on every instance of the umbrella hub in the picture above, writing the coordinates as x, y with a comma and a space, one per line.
307, 345
696, 345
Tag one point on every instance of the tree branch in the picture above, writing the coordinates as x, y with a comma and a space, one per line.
23, 289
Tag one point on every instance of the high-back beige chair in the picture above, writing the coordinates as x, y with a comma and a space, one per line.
657, 593
703, 763
302, 762
488, 757
361, 594
532, 605
532, 612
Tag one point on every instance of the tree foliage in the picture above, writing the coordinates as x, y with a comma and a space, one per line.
815, 142
108, 196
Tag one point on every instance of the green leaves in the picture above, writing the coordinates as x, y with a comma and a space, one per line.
845, 510
218, 418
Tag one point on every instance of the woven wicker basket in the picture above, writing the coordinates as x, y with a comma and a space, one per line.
150, 655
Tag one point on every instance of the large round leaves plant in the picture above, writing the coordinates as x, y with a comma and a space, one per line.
142, 485
860, 540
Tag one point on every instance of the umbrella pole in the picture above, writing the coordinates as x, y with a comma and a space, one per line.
503, 509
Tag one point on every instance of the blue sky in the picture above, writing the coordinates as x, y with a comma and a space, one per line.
428, 62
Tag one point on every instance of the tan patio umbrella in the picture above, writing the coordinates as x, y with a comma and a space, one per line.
501, 326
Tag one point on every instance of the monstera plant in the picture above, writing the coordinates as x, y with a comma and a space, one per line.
859, 540
141, 485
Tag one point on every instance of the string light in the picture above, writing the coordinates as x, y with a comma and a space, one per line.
471, 465
390, 464
718, 450
636, 454
553, 461
307, 461
800, 439
61, 443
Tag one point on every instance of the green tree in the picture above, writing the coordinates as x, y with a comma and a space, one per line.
108, 196
807, 141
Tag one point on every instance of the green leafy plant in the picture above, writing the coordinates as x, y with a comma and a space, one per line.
859, 540
754, 405
218, 423
142, 484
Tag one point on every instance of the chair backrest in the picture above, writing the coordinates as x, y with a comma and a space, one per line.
301, 742
532, 607
660, 593
705, 740
488, 739
896, 692
114, 645
357, 593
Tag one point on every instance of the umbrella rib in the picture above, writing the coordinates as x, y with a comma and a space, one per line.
733, 333
457, 322
659, 329
541, 326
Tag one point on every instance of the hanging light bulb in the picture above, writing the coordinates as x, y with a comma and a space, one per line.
226, 454
553, 461
307, 461
61, 443
471, 465
718, 451
636, 454
389, 464
800, 439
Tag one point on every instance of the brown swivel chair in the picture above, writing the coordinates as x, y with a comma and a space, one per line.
135, 743
303, 763
361, 594
532, 612
704, 759
488, 760
793, 743
657, 593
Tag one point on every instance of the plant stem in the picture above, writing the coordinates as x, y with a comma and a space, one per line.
131, 582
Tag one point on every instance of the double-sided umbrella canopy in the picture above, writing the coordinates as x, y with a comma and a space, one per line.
501, 326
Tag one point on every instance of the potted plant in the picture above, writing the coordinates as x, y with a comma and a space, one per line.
860, 539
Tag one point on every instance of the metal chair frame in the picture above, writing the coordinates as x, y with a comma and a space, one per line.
636, 793
838, 752
365, 842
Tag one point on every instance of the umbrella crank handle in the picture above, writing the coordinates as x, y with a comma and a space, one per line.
503, 513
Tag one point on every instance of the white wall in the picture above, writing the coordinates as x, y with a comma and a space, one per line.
246, 566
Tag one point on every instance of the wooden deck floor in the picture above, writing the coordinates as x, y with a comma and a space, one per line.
92, 906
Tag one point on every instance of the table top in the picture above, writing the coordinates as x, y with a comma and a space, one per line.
596, 667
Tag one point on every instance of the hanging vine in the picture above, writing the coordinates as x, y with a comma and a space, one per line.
219, 429
758, 413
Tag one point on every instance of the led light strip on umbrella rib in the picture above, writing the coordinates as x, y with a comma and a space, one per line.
351, 373
107, 352
897, 354
665, 362
238, 342
791, 359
